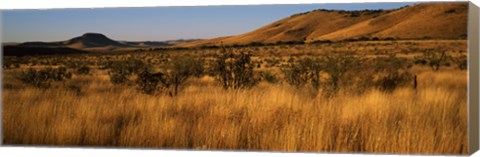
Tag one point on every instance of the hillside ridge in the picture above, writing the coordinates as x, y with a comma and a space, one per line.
446, 20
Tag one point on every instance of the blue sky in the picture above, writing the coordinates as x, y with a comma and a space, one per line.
155, 23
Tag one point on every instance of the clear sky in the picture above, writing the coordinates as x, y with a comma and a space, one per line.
155, 23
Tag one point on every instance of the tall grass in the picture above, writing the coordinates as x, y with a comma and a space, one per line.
429, 120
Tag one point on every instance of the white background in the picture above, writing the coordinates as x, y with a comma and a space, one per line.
7, 151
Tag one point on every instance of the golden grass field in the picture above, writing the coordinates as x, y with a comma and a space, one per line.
268, 117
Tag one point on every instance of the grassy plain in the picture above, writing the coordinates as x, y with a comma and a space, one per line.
88, 110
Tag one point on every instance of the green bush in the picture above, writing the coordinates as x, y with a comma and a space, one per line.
305, 70
151, 83
174, 74
392, 72
435, 58
234, 70
84, 70
181, 68
118, 78
337, 66
43, 78
121, 71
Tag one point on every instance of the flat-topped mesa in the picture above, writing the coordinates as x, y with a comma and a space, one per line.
92, 40
93, 36
99, 42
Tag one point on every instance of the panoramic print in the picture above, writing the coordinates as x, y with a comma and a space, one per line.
328, 78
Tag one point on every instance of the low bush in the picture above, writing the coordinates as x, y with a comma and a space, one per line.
84, 70
121, 71
234, 70
151, 83
268, 76
43, 78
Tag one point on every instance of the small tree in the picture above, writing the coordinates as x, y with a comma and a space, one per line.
337, 65
181, 68
305, 70
243, 71
295, 74
152, 83
314, 67
175, 73
435, 59
59, 74
120, 71
234, 70
392, 72
38, 79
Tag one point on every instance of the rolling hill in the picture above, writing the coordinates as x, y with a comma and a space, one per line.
419, 21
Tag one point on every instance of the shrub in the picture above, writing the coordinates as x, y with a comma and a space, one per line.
151, 83
6, 65
391, 81
305, 70
59, 74
76, 89
337, 65
420, 61
461, 62
234, 70
272, 62
118, 78
295, 74
268, 76
35, 78
120, 71
435, 59
175, 73
84, 70
181, 68
392, 72
43, 78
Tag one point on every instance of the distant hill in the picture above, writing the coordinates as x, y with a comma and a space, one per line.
420, 21
25, 51
157, 43
145, 43
41, 44
92, 40
85, 42
175, 42
99, 42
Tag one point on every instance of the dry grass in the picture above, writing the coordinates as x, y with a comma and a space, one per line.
268, 117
